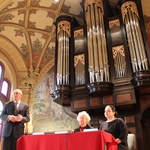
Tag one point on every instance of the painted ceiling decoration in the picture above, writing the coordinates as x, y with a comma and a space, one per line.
27, 26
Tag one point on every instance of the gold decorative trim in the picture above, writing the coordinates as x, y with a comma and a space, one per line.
65, 26
129, 6
78, 58
114, 23
78, 32
118, 49
99, 4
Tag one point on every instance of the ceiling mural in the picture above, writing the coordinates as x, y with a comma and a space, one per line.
28, 25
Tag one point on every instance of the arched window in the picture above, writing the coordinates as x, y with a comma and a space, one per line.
1, 108
0, 71
5, 87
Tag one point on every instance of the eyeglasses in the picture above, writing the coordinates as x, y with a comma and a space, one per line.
16, 93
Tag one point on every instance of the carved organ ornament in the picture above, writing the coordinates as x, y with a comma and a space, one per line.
83, 57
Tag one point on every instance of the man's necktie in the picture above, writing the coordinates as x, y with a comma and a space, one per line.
16, 108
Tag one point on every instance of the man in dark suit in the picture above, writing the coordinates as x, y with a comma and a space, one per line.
15, 113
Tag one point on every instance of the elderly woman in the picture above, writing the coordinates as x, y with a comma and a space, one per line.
83, 118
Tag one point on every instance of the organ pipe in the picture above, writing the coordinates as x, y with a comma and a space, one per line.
63, 53
135, 40
97, 51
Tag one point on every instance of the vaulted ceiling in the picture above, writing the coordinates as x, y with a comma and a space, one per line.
27, 31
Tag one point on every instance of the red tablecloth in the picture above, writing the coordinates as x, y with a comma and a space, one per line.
95, 140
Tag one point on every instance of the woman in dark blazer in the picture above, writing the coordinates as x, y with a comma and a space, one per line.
15, 113
115, 126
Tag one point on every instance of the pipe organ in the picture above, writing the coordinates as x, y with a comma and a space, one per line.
63, 53
134, 36
97, 51
104, 61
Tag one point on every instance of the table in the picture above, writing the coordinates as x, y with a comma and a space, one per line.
94, 140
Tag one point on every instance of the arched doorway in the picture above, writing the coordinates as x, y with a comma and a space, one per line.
145, 123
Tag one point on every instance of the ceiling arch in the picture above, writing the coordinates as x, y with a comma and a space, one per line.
11, 51
27, 28
29, 24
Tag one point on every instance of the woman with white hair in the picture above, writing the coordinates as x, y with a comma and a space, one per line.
83, 118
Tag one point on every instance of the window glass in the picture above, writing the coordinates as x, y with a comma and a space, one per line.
4, 88
0, 71
1, 108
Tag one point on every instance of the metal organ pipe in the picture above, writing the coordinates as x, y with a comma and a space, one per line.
97, 51
63, 53
134, 35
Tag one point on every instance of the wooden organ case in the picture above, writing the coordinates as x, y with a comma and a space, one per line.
104, 61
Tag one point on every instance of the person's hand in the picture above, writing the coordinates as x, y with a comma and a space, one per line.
18, 118
118, 141
11, 118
